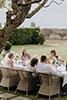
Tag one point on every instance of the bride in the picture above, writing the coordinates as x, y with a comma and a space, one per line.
8, 60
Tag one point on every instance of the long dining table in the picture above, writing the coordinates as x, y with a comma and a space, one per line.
59, 71
20, 67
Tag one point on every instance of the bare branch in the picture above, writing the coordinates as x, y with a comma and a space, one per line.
24, 3
42, 5
53, 1
48, 4
37, 9
58, 3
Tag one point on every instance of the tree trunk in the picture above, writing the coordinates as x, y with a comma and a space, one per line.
12, 24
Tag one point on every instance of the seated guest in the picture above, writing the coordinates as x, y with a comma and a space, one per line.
8, 60
33, 63
25, 56
54, 58
43, 66
36, 79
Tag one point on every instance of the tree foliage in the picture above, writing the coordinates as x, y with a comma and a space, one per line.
27, 36
7, 46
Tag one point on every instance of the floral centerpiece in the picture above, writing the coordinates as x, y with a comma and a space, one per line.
52, 61
55, 60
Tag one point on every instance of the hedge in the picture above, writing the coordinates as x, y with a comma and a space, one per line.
27, 36
7, 46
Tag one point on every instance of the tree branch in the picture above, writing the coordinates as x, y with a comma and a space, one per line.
53, 1
37, 9
58, 3
31, 2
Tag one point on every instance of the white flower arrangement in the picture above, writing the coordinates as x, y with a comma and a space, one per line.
55, 61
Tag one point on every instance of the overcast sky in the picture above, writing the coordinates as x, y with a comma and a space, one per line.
53, 17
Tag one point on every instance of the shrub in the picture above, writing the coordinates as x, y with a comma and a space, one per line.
26, 36
42, 38
8, 46
35, 37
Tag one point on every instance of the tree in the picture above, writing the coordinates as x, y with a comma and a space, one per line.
21, 9
32, 24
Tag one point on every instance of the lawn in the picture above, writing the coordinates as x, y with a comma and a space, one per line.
38, 50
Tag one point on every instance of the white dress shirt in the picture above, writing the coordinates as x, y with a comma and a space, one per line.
45, 68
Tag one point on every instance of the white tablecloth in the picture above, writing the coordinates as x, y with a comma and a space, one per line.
59, 71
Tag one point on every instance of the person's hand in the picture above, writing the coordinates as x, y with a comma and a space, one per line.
62, 61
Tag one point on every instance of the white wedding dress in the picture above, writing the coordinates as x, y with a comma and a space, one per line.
4, 62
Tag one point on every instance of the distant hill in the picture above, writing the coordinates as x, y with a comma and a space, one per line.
60, 34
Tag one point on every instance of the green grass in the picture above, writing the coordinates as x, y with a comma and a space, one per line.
40, 50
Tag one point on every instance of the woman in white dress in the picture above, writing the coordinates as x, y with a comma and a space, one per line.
54, 58
24, 55
8, 60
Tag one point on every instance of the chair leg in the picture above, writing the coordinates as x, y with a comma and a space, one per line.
49, 97
15, 91
37, 95
27, 93
8, 89
59, 96
8, 84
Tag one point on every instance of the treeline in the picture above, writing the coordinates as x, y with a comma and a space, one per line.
60, 34
26, 36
